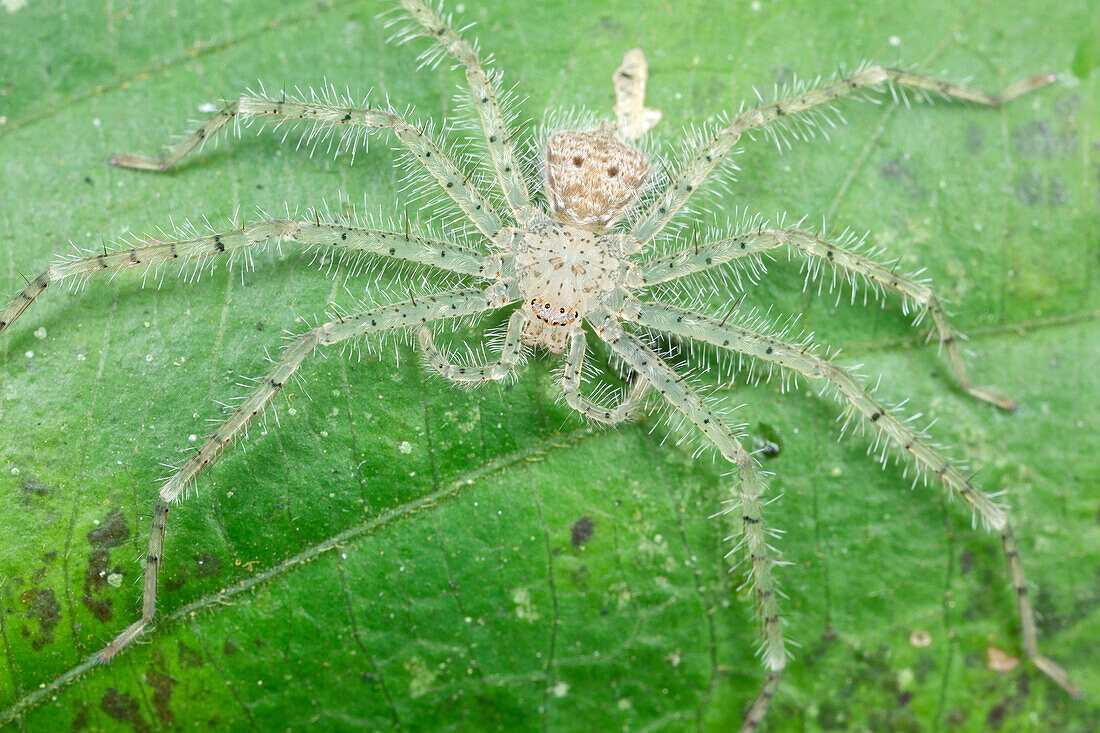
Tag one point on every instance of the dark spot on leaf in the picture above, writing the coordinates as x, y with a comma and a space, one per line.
996, 717
122, 708
175, 580
189, 656
34, 487
1038, 139
80, 720
95, 583
162, 685
975, 138
111, 532
229, 648
207, 565
581, 531
43, 608
1033, 189
892, 170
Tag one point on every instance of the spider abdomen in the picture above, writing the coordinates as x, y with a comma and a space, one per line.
592, 177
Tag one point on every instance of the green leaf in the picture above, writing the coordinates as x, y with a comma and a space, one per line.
509, 568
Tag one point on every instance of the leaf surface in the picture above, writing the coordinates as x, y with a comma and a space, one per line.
396, 551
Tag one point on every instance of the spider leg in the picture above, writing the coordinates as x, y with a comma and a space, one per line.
787, 111
321, 235
751, 488
591, 409
327, 118
425, 309
485, 98
879, 276
887, 426
475, 374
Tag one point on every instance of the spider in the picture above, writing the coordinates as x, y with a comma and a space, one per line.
575, 245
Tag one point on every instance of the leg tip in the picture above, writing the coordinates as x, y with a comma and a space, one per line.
139, 162
1058, 676
993, 397
121, 641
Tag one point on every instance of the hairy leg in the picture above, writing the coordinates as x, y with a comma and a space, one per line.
915, 293
593, 409
486, 100
423, 310
327, 119
886, 425
475, 374
695, 171
312, 234
750, 497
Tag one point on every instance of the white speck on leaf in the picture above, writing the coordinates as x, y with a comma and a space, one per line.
525, 608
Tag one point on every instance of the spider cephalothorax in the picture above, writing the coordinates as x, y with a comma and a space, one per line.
586, 266
564, 273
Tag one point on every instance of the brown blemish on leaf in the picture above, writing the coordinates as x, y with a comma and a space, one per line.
33, 487
111, 532
975, 138
966, 561
1039, 140
95, 579
43, 608
207, 565
80, 720
1033, 189
122, 708
581, 531
996, 717
189, 656
162, 685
